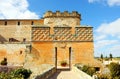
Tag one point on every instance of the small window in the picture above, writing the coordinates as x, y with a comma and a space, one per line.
32, 23
5, 22
24, 39
20, 52
18, 22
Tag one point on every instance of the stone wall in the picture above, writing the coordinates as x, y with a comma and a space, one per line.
43, 52
62, 34
18, 30
63, 38
81, 52
82, 74
18, 33
15, 54
62, 18
7, 69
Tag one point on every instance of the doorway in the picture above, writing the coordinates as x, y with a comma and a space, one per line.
63, 56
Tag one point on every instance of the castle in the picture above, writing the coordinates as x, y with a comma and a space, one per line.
57, 37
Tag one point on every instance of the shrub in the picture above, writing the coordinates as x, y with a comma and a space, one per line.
103, 76
10, 76
87, 69
115, 70
16, 74
4, 62
24, 72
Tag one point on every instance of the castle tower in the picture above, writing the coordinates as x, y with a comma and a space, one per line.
62, 19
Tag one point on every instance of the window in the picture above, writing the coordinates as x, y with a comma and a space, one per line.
5, 22
20, 52
24, 39
18, 22
32, 23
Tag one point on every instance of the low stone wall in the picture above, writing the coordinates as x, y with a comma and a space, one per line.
46, 74
81, 73
7, 69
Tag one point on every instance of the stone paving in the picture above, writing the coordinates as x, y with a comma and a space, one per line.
69, 74
65, 75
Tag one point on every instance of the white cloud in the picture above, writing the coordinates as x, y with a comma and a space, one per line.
103, 43
91, 1
116, 47
107, 37
100, 37
106, 47
108, 2
16, 9
113, 2
112, 28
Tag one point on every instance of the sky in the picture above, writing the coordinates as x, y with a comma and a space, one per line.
102, 15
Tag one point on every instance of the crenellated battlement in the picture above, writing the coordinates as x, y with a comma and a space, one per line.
64, 14
62, 18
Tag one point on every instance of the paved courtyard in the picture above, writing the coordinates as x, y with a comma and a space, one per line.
69, 74
65, 75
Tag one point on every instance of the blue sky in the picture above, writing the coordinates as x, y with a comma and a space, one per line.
102, 15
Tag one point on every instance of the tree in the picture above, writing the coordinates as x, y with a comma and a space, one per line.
111, 56
101, 57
